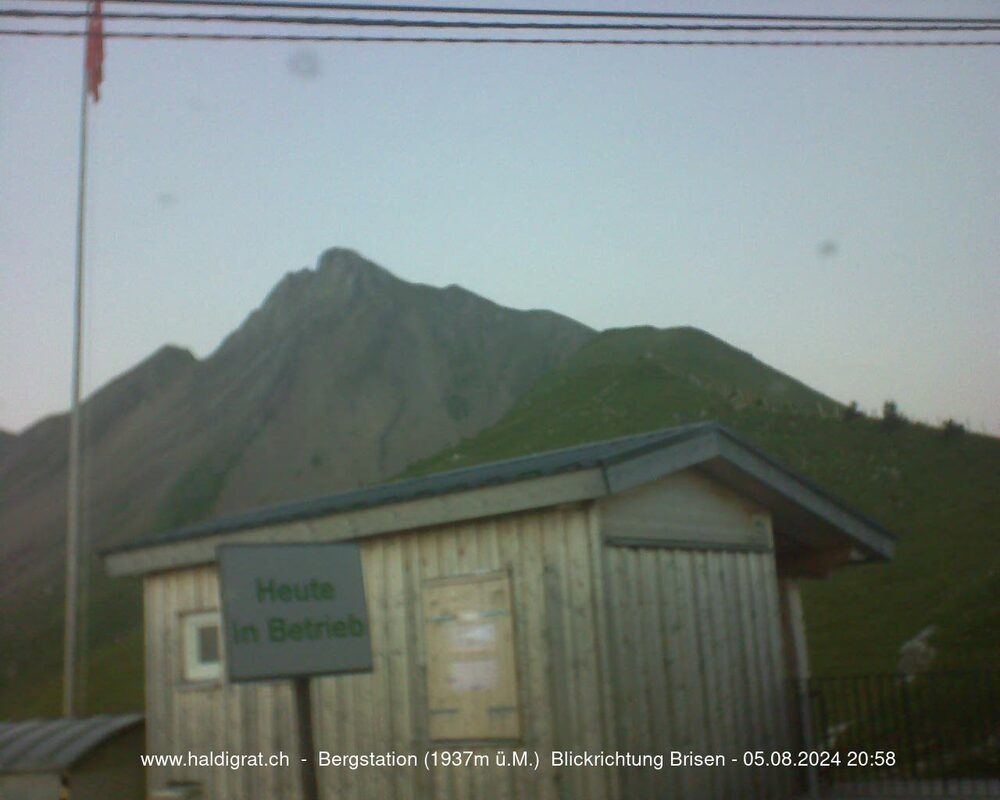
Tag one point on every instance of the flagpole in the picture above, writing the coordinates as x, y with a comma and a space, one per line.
73, 490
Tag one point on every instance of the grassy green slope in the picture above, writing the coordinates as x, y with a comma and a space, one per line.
939, 494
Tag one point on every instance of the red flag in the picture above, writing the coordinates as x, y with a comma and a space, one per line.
95, 51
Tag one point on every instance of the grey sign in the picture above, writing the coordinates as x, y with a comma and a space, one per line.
293, 610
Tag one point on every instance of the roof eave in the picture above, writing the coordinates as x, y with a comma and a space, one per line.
489, 501
696, 448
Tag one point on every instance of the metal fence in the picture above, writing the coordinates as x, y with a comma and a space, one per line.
933, 735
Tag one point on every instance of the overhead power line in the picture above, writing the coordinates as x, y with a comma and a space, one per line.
272, 37
300, 5
596, 22
390, 22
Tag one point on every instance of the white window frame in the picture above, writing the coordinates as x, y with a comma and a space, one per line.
195, 670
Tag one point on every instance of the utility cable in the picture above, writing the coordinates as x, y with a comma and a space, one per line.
553, 12
388, 22
270, 37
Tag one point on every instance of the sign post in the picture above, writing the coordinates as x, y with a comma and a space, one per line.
303, 723
294, 611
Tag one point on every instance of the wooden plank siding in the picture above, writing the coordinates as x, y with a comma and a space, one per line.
549, 555
693, 640
715, 685
208, 717
645, 648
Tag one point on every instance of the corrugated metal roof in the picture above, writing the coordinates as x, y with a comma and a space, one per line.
553, 462
52, 745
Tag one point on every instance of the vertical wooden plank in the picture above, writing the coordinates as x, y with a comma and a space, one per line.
633, 677
586, 657
757, 713
188, 703
686, 679
464, 563
672, 708
714, 634
565, 674
639, 709
172, 663
324, 696
250, 735
706, 636
209, 720
654, 652
621, 621
730, 698
381, 690
282, 715
724, 664
431, 567
232, 721
448, 554
769, 583
509, 554
735, 675
602, 634
636, 677
631, 682
739, 678
157, 685
195, 705
539, 660
587, 697
358, 696
324, 731
184, 731
417, 667
339, 725
478, 779
491, 532
399, 666
500, 782
483, 780
740, 674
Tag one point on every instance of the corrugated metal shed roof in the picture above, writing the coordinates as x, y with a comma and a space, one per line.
52, 745
537, 465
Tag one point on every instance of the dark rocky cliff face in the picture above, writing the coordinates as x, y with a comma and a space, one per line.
6, 442
357, 374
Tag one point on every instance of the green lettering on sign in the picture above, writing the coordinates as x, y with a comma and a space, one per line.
281, 630
311, 591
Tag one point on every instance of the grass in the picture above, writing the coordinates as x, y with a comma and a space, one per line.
110, 645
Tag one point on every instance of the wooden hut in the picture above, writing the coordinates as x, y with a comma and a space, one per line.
84, 758
593, 607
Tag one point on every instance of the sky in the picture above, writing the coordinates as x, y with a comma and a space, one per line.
832, 211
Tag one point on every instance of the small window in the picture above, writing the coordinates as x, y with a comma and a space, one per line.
202, 648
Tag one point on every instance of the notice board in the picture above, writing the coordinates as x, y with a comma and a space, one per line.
471, 664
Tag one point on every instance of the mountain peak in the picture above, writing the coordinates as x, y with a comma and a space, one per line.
339, 272
342, 269
344, 259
